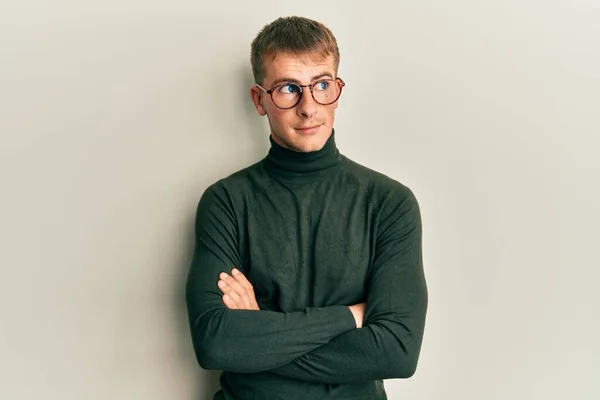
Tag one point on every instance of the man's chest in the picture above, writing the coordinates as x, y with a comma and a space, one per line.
309, 249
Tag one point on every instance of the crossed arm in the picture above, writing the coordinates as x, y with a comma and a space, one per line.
315, 344
238, 294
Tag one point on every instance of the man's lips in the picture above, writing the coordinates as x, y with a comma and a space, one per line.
307, 128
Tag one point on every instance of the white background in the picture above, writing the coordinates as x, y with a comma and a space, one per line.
116, 115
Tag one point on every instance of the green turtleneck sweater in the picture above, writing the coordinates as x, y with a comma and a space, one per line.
314, 233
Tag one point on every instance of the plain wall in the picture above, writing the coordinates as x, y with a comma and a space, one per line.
115, 116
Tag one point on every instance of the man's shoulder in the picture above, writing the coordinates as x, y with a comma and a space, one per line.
376, 182
240, 182
243, 176
392, 199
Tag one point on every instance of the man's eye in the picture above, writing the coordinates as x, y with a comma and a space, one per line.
322, 85
289, 89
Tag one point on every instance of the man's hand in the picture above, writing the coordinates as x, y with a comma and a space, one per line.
238, 293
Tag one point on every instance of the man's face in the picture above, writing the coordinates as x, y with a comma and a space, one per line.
289, 127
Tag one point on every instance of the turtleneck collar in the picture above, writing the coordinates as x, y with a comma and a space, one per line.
294, 166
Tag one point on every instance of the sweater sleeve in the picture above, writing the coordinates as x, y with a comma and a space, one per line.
389, 343
242, 340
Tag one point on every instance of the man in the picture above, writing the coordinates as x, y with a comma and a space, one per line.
307, 279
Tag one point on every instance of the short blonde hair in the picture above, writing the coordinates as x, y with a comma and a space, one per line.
292, 35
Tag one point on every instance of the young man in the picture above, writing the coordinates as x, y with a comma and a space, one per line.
307, 279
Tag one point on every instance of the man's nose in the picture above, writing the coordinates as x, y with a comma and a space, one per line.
307, 106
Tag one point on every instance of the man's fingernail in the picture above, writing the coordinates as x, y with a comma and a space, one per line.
235, 271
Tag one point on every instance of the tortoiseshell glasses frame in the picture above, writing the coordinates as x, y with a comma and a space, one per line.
286, 100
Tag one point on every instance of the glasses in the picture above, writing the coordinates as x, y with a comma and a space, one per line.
287, 95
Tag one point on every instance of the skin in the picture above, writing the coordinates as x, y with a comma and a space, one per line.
286, 130
286, 124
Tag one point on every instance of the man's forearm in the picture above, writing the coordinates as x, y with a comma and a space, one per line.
377, 351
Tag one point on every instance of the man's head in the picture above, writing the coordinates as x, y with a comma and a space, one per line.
296, 51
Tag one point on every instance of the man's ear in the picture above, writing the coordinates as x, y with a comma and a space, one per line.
256, 95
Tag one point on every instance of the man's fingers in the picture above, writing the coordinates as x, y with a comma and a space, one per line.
231, 294
229, 303
241, 278
245, 283
238, 289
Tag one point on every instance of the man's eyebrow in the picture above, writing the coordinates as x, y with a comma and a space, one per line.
292, 80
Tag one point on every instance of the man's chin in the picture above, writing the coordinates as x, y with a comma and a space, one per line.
301, 142
310, 144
